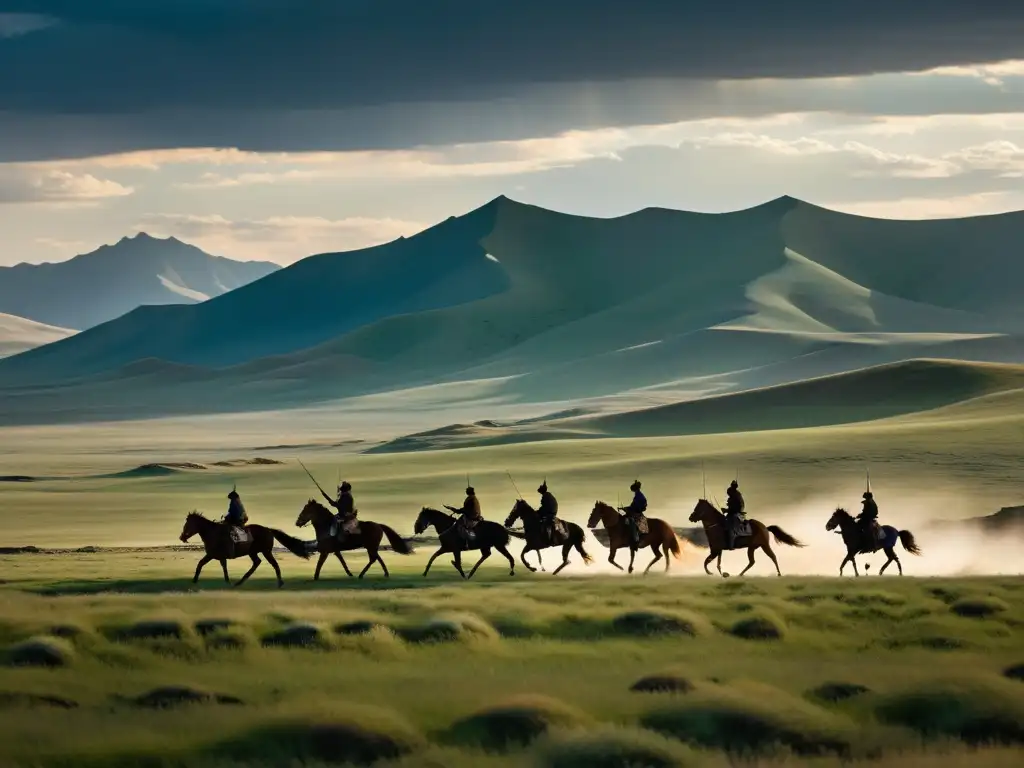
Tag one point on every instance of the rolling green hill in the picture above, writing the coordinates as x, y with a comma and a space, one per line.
557, 308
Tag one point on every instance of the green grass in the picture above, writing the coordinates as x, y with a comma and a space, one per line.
528, 671
524, 671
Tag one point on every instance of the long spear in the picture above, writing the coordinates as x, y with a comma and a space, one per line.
311, 477
514, 485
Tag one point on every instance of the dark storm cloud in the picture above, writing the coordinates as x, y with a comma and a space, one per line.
230, 63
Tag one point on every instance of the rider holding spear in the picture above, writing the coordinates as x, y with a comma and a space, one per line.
345, 504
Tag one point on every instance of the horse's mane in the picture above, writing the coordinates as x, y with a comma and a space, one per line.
712, 506
437, 512
196, 513
843, 513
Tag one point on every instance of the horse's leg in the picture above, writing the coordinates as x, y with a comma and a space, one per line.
843, 564
891, 554
205, 559
657, 557
708, 560
224, 567
383, 566
767, 547
566, 549
750, 555
319, 564
371, 561
632, 557
508, 556
277, 568
718, 563
522, 556
540, 560
255, 564
611, 555
337, 554
485, 553
457, 562
433, 557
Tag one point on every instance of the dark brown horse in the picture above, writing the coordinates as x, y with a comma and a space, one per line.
261, 542
369, 537
715, 529
659, 536
537, 538
860, 542
489, 535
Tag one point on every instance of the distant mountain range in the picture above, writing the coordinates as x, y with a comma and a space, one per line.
552, 307
103, 285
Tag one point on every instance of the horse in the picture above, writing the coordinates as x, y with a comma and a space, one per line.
368, 537
261, 542
855, 539
537, 537
489, 535
659, 536
715, 529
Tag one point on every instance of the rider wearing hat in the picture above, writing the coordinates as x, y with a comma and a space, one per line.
469, 511
635, 512
346, 507
548, 510
868, 517
236, 516
735, 510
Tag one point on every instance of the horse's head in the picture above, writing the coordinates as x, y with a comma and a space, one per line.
424, 519
193, 522
703, 510
838, 518
598, 514
309, 513
519, 511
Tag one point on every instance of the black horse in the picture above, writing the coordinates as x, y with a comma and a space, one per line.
538, 538
488, 536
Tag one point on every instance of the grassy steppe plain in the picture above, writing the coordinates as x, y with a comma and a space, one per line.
511, 671
529, 671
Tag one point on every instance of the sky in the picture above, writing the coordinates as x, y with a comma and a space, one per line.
275, 129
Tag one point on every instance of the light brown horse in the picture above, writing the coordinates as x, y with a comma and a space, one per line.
218, 547
369, 537
659, 536
715, 529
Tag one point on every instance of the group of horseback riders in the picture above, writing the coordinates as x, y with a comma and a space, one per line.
470, 514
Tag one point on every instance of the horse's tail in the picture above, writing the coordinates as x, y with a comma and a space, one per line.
784, 538
515, 534
909, 544
673, 544
398, 544
578, 543
297, 547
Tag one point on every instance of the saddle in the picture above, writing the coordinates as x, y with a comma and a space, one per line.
556, 530
238, 534
348, 527
640, 521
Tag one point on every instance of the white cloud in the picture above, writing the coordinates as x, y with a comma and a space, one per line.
994, 74
934, 208
874, 161
1002, 157
46, 184
280, 238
